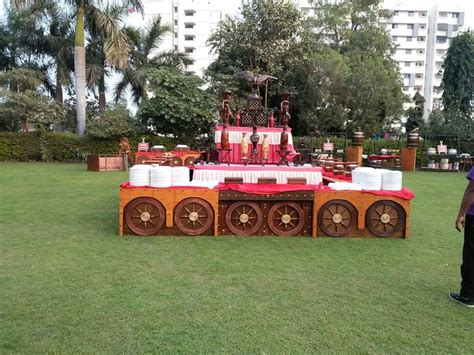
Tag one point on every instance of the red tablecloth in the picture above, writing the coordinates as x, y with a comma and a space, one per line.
405, 193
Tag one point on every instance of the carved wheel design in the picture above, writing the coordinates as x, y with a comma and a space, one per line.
385, 218
244, 218
145, 216
177, 161
193, 216
285, 218
189, 161
142, 158
337, 218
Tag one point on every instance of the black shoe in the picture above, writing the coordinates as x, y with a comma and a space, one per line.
467, 302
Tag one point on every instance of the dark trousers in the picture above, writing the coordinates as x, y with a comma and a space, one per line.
467, 267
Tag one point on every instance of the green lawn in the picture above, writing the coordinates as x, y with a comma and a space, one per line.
68, 283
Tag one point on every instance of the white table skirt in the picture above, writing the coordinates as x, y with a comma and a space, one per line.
313, 177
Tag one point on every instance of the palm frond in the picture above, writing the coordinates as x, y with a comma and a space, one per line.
154, 34
93, 74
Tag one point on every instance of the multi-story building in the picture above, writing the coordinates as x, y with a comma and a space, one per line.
192, 21
422, 35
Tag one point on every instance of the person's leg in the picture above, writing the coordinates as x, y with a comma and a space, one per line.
467, 267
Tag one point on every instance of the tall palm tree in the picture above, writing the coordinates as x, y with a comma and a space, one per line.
143, 43
97, 68
116, 45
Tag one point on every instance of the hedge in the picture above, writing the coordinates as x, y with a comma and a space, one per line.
63, 147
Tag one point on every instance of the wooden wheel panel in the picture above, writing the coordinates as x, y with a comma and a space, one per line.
193, 216
177, 161
285, 218
145, 216
141, 159
244, 218
189, 161
337, 218
385, 218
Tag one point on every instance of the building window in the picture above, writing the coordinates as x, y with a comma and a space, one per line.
188, 38
420, 51
441, 39
443, 14
407, 51
175, 35
189, 25
394, 25
440, 51
395, 13
175, 47
419, 64
419, 75
422, 26
420, 38
411, 13
189, 12
409, 39
455, 15
423, 13
418, 88
176, 22
410, 26
176, 9
188, 50
442, 26
394, 38
406, 76
406, 88
407, 64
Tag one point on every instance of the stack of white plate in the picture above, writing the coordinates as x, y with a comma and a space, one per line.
160, 176
140, 175
179, 176
357, 173
391, 180
367, 178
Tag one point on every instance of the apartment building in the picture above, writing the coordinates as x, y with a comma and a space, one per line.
192, 21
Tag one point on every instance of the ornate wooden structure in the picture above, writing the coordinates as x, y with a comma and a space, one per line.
199, 211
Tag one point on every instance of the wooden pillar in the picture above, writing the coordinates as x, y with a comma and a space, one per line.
409, 159
354, 154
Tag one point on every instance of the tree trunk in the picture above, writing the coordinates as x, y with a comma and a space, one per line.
102, 99
80, 71
58, 95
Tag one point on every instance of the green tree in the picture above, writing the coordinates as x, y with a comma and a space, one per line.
178, 105
458, 77
116, 46
414, 114
262, 39
113, 122
23, 104
143, 44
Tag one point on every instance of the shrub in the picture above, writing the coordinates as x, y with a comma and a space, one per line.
64, 147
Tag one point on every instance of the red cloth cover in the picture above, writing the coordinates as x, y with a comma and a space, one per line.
262, 189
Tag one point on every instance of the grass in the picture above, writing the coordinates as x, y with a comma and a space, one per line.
68, 283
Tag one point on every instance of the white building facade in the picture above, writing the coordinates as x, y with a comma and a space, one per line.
422, 33
192, 21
